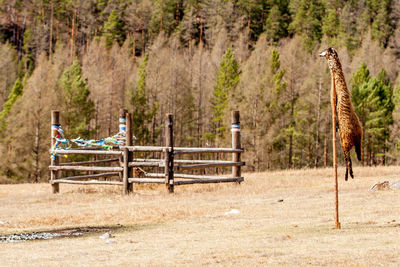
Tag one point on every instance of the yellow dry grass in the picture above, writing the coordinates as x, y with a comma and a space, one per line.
190, 227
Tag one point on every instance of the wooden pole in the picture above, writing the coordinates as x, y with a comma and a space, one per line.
129, 143
236, 170
169, 153
122, 129
125, 188
55, 123
334, 121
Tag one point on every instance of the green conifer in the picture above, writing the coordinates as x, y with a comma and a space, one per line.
79, 108
142, 113
227, 79
114, 29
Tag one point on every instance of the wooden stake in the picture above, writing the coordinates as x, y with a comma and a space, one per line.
55, 122
169, 153
121, 128
236, 170
130, 153
334, 121
125, 188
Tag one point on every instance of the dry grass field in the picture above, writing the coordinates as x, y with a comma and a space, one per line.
194, 226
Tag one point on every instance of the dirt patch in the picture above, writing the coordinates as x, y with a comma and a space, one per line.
61, 233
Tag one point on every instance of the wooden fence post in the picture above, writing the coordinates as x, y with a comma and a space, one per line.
55, 161
169, 153
125, 189
122, 129
130, 153
236, 170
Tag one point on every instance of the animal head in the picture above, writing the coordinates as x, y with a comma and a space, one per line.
332, 57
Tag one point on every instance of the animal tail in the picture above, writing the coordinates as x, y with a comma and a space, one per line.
357, 145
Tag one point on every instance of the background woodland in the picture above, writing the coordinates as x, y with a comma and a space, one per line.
196, 59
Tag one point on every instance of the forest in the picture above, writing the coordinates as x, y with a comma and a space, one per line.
197, 59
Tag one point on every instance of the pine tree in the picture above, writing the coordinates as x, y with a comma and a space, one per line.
79, 108
331, 26
254, 12
307, 22
381, 28
373, 102
359, 78
227, 79
396, 118
16, 93
142, 113
275, 25
114, 29
166, 16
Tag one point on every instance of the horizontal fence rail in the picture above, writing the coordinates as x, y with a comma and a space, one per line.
208, 181
89, 162
85, 168
189, 150
91, 176
87, 152
66, 181
146, 180
209, 165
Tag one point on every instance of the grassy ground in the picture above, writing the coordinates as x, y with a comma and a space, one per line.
191, 227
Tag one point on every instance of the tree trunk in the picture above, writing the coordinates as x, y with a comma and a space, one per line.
73, 35
317, 125
36, 152
199, 100
36, 147
326, 149
51, 31
290, 162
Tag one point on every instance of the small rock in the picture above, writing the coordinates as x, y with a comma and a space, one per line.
110, 241
232, 211
280, 200
105, 236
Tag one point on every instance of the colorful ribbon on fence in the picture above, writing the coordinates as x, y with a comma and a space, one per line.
108, 143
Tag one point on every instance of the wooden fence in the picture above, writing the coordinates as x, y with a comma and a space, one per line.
127, 168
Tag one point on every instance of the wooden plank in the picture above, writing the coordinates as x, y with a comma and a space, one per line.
185, 161
208, 165
197, 161
86, 182
146, 164
189, 150
183, 176
86, 168
146, 180
147, 160
94, 152
88, 162
208, 181
107, 174
155, 175
146, 148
